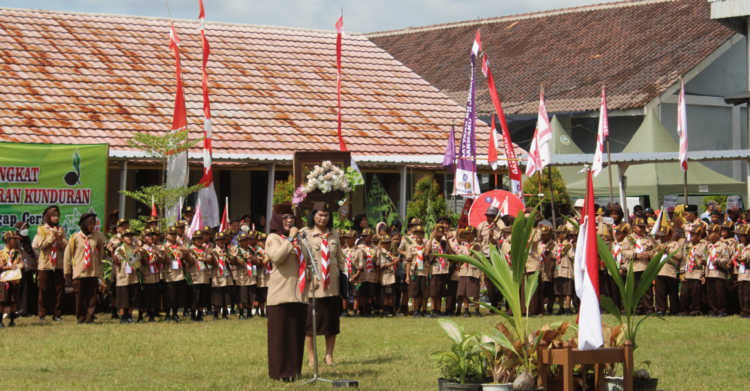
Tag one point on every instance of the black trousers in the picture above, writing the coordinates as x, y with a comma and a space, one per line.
690, 297
85, 290
646, 305
716, 290
667, 287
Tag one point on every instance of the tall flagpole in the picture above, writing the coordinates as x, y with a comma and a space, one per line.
609, 168
552, 199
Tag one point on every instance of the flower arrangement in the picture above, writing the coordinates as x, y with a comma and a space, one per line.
328, 177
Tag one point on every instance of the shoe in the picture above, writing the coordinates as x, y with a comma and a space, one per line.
185, 314
115, 316
376, 314
124, 320
477, 313
466, 313
140, 320
568, 312
57, 319
151, 319
390, 314
42, 319
167, 318
345, 314
224, 317
209, 312
216, 317
130, 319
714, 315
561, 312
176, 318
417, 315
90, 322
723, 315
80, 322
242, 317
660, 314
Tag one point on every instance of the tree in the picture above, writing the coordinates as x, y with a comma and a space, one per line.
162, 148
720, 199
531, 186
283, 191
428, 203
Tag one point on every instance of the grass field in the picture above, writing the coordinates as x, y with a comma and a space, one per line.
382, 354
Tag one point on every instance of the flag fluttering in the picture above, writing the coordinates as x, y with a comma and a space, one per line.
539, 154
339, 34
225, 218
682, 129
154, 211
207, 195
513, 169
179, 118
197, 223
450, 152
466, 179
493, 146
586, 268
601, 134
177, 168
658, 223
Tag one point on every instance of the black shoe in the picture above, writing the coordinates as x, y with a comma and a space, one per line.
167, 318
57, 319
216, 317
115, 316
42, 319
345, 314
12, 323
224, 317
140, 320
81, 322
568, 312
390, 314
90, 322
130, 319
417, 315
561, 312
185, 313
477, 313
176, 318
399, 314
660, 314
466, 313
242, 317
723, 315
124, 320
151, 319
714, 315
209, 312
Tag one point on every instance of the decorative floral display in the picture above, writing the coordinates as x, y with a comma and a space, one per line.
328, 177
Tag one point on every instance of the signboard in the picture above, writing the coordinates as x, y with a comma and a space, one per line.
670, 201
505, 201
35, 176
734, 201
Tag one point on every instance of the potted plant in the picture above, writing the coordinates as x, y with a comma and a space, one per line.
630, 298
464, 357
508, 279
498, 363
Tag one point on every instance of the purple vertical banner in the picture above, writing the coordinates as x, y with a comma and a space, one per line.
467, 182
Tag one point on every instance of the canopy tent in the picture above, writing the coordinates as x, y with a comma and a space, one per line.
655, 180
562, 144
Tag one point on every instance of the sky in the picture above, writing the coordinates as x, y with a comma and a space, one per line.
359, 15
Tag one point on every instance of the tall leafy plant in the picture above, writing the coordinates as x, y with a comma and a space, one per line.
508, 279
427, 202
464, 355
559, 189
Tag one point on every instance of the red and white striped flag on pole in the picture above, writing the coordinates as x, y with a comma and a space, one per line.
177, 169
339, 35
586, 268
225, 218
682, 129
539, 154
207, 195
493, 146
601, 134
179, 119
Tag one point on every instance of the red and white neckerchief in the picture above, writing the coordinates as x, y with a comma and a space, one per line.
420, 257
738, 252
638, 244
349, 262
151, 261
221, 253
712, 256
175, 254
262, 252
464, 249
542, 256
53, 251
248, 265
368, 260
388, 256
324, 262
691, 259
436, 246
199, 252
559, 253
301, 261
617, 253
86, 251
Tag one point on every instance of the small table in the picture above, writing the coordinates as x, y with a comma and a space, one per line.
568, 357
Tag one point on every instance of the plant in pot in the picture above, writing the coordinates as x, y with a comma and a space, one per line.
498, 361
508, 279
630, 297
462, 362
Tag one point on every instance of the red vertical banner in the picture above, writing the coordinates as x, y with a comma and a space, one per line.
339, 35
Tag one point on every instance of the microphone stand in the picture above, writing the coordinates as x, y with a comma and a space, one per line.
311, 265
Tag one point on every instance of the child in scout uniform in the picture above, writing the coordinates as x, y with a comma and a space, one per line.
717, 267
401, 290
265, 268
742, 255
114, 243
469, 275
127, 262
691, 272
639, 254
151, 264
667, 281
50, 241
563, 256
366, 275
728, 237
221, 279
548, 263
348, 238
208, 237
200, 274
621, 242
175, 292
440, 269
83, 264
244, 271
418, 274
488, 233
606, 231
10, 259
534, 263
182, 239
387, 265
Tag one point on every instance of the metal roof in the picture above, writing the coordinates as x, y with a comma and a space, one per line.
656, 157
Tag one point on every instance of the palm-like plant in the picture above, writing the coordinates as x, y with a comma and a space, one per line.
508, 279
464, 355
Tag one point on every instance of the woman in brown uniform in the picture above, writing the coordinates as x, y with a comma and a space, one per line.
287, 297
329, 259
83, 264
50, 241
10, 258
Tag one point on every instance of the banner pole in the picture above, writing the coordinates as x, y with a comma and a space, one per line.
684, 182
609, 167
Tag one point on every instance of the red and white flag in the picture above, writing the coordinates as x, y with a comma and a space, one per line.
477, 46
225, 218
207, 195
586, 269
179, 119
510, 153
154, 211
493, 146
177, 168
601, 134
682, 129
539, 154
197, 223
339, 35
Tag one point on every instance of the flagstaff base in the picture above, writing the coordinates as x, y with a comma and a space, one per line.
567, 357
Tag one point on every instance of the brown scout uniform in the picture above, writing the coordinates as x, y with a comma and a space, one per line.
419, 274
440, 270
640, 245
534, 264
221, 277
691, 270
85, 279
743, 274
9, 291
667, 282
717, 270
562, 257
367, 277
51, 280
469, 275
151, 263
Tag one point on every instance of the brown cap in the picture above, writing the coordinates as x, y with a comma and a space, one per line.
147, 232
128, 232
283, 209
243, 236
172, 230
728, 225
122, 221
623, 229
325, 206
713, 228
742, 229
697, 229
545, 229
471, 230
198, 235
367, 232
415, 221
665, 231
189, 209
563, 229
418, 228
220, 236
384, 239
253, 234
180, 223
438, 229
206, 230
262, 236
572, 231
639, 222
348, 234
8, 235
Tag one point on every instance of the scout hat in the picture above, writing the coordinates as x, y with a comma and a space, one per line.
325, 206
446, 218
198, 234
283, 209
471, 230
665, 230
348, 233
367, 232
492, 211
385, 239
572, 231
691, 208
742, 230
600, 212
189, 209
697, 229
122, 221
545, 229
415, 221
8, 235
438, 229
623, 229
713, 228
172, 230
728, 225
180, 223
640, 222
206, 229
147, 232
563, 229
128, 232
244, 236
152, 220
418, 228
262, 236
221, 236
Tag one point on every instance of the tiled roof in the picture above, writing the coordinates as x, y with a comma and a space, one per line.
78, 78
637, 48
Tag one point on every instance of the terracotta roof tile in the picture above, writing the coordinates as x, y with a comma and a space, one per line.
76, 78
637, 48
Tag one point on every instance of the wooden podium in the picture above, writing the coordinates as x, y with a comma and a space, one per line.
302, 164
567, 357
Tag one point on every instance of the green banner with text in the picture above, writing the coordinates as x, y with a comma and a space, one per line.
35, 176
